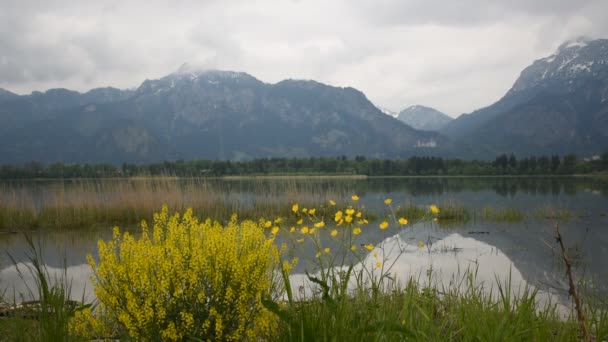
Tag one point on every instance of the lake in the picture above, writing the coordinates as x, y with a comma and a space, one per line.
521, 246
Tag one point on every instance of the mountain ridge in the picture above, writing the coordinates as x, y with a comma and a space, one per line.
210, 114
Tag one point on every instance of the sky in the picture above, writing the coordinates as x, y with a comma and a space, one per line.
455, 56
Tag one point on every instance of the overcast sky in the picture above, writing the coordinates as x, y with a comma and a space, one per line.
456, 56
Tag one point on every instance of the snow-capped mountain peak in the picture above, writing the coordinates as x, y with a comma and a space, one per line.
193, 72
577, 43
387, 111
424, 118
572, 60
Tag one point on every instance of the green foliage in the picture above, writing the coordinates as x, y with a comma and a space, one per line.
343, 165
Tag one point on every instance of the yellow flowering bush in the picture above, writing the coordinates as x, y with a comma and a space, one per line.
187, 279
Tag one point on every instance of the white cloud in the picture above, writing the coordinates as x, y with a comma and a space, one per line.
455, 56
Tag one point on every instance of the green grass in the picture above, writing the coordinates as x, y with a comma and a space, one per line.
418, 313
46, 318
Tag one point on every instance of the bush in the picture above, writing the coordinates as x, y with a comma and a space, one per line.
188, 279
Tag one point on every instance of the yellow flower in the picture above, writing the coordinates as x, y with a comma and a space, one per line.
369, 246
275, 230
318, 254
312, 211
278, 220
320, 224
353, 248
338, 216
332, 202
434, 209
326, 250
300, 240
304, 230
348, 219
376, 255
383, 225
379, 264
295, 208
304, 210
357, 231
134, 278
349, 211
312, 231
388, 201
293, 229
300, 221
358, 214
355, 198
334, 232
402, 221
267, 224
420, 244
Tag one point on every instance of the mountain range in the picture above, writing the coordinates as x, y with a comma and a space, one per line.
558, 105
208, 114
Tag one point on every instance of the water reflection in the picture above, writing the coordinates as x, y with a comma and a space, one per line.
444, 260
447, 254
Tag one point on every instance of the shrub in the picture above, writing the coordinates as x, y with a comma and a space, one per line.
188, 279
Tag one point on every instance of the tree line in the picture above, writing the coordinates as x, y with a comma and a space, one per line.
502, 165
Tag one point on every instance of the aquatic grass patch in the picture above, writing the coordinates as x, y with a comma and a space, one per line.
452, 214
500, 215
413, 212
554, 213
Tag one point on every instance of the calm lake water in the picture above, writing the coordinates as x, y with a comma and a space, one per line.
525, 251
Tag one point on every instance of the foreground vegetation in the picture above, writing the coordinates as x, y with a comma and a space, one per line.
190, 280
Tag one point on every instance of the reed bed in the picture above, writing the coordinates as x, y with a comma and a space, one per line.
82, 204
86, 203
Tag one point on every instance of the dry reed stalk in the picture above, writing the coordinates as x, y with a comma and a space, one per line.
572, 287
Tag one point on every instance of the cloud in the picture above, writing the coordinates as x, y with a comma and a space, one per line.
453, 55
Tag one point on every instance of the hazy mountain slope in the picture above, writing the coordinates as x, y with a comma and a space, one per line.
424, 118
18, 111
6, 95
